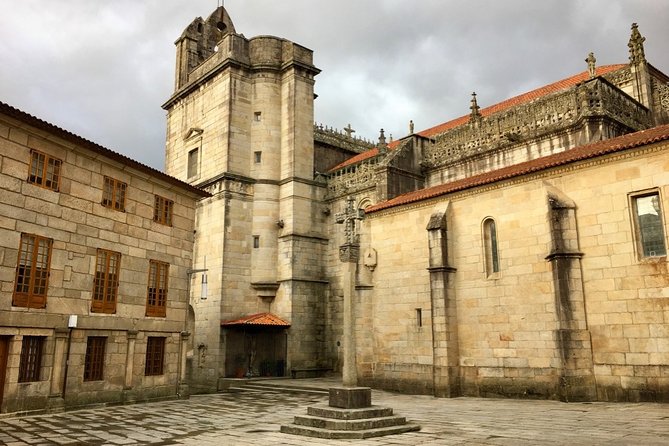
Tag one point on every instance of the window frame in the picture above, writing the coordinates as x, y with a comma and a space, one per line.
193, 167
162, 210
32, 298
156, 295
94, 359
638, 232
112, 189
105, 285
44, 170
30, 364
155, 356
490, 248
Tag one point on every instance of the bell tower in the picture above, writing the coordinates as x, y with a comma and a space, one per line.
240, 125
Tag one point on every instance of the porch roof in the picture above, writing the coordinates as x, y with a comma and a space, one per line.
260, 319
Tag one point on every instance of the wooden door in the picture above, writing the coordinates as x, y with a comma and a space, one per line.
4, 352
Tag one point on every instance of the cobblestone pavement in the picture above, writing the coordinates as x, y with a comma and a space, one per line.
253, 417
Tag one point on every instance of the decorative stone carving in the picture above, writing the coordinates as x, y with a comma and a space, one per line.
635, 45
353, 178
663, 94
342, 139
551, 113
369, 258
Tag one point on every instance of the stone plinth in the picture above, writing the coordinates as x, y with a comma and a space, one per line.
350, 397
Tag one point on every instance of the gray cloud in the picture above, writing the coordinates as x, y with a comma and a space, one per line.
102, 69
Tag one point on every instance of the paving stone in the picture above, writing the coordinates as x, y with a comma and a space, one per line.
254, 418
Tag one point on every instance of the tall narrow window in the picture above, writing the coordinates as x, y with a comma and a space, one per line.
155, 353
156, 300
95, 358
193, 163
257, 157
419, 317
490, 246
257, 116
256, 241
162, 211
44, 170
113, 194
649, 231
32, 271
105, 287
31, 358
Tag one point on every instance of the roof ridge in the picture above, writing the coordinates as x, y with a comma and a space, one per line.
522, 98
592, 150
73, 138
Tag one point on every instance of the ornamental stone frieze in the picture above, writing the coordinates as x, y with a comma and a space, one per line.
352, 179
600, 98
341, 138
551, 114
663, 95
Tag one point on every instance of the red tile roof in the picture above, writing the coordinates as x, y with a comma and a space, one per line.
501, 106
95, 148
629, 141
260, 319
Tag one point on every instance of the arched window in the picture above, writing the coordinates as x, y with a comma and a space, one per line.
490, 247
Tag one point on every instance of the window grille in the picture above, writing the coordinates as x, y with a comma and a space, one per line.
44, 170
105, 286
113, 194
32, 271
31, 358
648, 225
95, 358
156, 301
155, 353
162, 211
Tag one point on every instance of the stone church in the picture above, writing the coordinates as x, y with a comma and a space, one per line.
519, 250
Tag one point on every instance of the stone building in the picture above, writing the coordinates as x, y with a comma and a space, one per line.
95, 251
518, 250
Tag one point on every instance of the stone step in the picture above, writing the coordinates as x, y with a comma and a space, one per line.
337, 413
294, 389
343, 434
349, 425
259, 384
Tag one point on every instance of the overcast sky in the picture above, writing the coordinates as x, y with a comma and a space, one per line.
102, 69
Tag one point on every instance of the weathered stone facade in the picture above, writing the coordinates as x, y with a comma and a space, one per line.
428, 317
71, 215
517, 251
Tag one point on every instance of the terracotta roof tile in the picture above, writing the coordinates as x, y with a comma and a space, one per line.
501, 106
629, 141
96, 148
260, 319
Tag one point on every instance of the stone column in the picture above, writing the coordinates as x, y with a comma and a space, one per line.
446, 379
349, 254
129, 365
577, 382
56, 389
183, 389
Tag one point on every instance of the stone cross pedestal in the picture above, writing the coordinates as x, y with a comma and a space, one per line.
350, 413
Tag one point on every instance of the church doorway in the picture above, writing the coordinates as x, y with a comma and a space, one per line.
256, 345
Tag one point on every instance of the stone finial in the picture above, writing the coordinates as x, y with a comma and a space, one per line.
411, 127
349, 131
383, 146
592, 68
635, 45
474, 107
